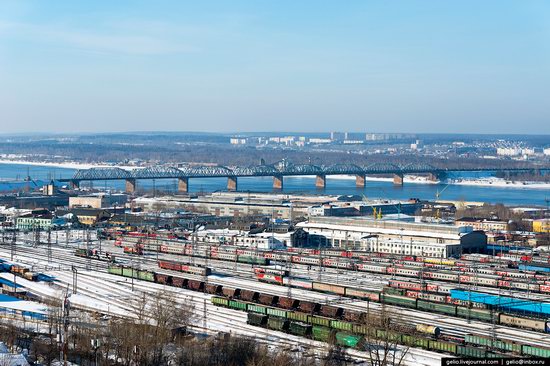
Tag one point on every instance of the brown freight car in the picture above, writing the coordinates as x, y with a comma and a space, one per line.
212, 289
331, 311
268, 300
309, 307
195, 285
288, 303
248, 295
231, 292
179, 281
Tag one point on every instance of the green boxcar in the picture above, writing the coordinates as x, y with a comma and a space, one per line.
338, 324
399, 300
277, 312
478, 314
319, 320
129, 272
256, 308
415, 341
146, 276
251, 260
471, 352
322, 334
237, 305
257, 319
347, 339
394, 291
220, 301
442, 346
300, 329
536, 351
390, 336
295, 315
497, 343
277, 323
115, 270
360, 329
440, 308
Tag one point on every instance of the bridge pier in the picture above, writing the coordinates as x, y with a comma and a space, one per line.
360, 180
398, 179
278, 182
183, 185
321, 181
432, 177
231, 183
74, 184
130, 185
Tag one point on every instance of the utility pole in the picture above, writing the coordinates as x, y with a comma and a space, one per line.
88, 251
49, 246
75, 279
13, 246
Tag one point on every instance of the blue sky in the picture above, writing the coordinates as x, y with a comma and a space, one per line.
410, 66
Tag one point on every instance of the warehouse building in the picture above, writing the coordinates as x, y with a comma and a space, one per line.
397, 237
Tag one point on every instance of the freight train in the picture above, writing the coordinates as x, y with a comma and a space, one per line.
485, 315
310, 319
449, 270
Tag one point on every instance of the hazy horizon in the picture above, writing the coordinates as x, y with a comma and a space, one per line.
373, 66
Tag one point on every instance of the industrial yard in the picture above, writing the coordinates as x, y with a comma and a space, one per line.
297, 298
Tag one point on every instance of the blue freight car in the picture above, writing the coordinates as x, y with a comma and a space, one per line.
534, 267
504, 303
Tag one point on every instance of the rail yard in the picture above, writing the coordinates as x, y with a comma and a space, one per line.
473, 306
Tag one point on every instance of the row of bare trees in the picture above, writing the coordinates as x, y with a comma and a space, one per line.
156, 335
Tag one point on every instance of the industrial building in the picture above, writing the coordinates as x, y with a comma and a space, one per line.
98, 200
483, 224
398, 237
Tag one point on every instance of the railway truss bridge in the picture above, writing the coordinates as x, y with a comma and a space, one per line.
183, 173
